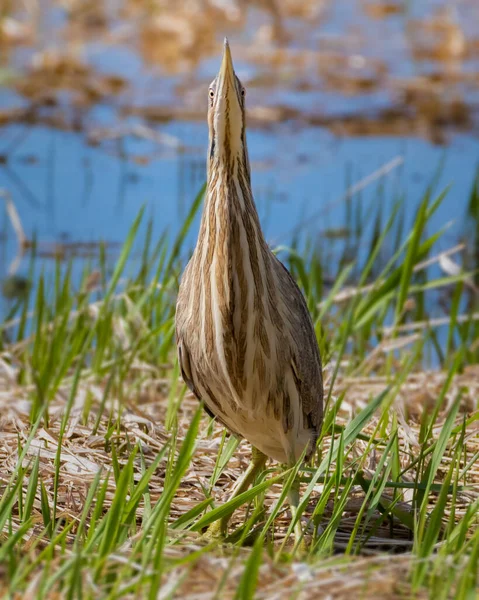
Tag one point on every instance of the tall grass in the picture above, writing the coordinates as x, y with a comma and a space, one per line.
94, 507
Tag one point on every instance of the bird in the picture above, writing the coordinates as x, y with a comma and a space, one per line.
246, 343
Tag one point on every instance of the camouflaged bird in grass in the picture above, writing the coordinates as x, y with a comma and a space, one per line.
246, 342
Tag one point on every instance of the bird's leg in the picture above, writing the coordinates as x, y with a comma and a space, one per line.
293, 497
258, 460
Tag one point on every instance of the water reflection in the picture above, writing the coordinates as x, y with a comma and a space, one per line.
106, 111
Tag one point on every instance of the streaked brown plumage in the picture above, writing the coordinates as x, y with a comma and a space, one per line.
246, 343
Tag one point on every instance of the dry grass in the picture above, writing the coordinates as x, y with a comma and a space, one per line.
381, 570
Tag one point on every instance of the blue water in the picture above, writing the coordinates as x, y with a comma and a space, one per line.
68, 190
65, 190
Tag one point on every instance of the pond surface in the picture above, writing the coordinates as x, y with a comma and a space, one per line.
105, 112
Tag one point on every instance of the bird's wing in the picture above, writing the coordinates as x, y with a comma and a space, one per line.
183, 352
185, 367
311, 394
305, 359
186, 373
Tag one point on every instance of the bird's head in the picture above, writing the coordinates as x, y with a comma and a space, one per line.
226, 116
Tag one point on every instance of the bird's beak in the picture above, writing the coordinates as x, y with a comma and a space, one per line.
226, 69
226, 78
228, 112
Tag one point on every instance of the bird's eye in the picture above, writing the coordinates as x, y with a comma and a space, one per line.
243, 92
211, 94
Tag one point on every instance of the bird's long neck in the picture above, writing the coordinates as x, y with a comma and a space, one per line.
233, 274
230, 223
231, 252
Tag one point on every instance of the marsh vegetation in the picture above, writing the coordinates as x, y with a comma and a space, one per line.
109, 468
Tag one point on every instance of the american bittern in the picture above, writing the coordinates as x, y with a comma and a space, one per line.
246, 343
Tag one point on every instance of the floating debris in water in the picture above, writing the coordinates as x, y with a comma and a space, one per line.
15, 287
